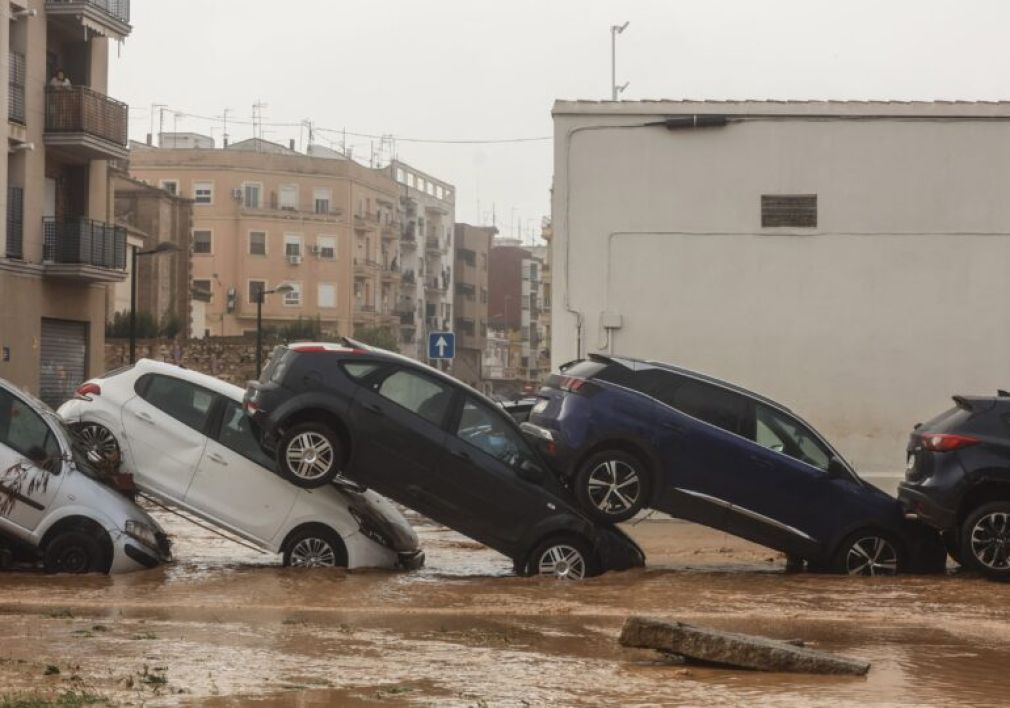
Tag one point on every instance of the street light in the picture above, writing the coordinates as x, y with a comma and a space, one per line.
615, 89
162, 247
260, 294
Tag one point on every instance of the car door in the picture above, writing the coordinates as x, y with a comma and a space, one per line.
398, 418
31, 465
234, 484
476, 478
165, 426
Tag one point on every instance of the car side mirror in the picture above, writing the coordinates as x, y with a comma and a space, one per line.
531, 471
837, 468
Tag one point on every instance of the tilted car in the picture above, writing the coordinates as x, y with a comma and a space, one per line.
431, 443
958, 480
53, 506
186, 440
628, 434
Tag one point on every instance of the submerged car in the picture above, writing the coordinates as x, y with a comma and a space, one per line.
431, 443
52, 504
628, 434
187, 442
958, 480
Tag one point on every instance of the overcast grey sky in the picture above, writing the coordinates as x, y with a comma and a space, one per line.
482, 69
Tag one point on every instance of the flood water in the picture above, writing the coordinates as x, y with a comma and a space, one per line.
229, 626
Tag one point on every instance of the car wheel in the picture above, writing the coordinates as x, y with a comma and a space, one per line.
564, 558
315, 548
74, 552
611, 486
953, 546
868, 552
985, 540
309, 455
99, 440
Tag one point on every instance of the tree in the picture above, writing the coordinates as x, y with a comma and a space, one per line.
382, 337
119, 326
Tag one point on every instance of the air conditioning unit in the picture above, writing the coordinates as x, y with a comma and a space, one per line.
294, 260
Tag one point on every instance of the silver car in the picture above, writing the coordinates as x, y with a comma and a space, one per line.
52, 505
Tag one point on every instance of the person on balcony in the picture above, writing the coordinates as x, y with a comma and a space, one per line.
60, 79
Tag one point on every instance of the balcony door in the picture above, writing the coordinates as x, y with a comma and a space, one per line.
49, 203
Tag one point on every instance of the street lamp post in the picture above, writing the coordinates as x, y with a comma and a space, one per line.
259, 322
162, 247
614, 88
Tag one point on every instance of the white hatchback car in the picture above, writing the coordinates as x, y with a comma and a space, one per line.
52, 504
186, 440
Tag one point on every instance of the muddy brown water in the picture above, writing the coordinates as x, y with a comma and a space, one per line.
228, 626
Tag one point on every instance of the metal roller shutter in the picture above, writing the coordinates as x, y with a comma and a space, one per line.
64, 359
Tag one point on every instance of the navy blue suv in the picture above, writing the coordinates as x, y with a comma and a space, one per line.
627, 434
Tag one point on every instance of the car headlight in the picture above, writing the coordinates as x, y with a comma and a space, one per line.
143, 533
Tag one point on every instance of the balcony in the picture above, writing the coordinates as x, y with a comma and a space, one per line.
16, 89
390, 275
391, 230
431, 245
110, 18
365, 267
15, 222
85, 125
84, 249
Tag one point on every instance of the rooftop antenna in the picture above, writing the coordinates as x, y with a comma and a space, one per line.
257, 118
224, 132
150, 138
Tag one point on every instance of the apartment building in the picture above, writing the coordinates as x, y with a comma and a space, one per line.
472, 245
59, 247
265, 215
546, 282
428, 214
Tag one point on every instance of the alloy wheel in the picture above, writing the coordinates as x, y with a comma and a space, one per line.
614, 486
74, 559
990, 540
309, 456
313, 553
563, 562
871, 555
98, 439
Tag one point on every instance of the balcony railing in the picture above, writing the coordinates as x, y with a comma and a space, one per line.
15, 222
116, 9
78, 109
407, 319
84, 241
16, 88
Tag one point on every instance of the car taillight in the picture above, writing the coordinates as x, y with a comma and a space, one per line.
572, 384
942, 442
88, 389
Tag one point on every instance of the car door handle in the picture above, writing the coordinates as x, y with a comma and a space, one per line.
374, 408
146, 418
214, 457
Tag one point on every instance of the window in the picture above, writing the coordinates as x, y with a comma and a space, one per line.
327, 247
438, 191
327, 295
255, 288
467, 256
431, 188
411, 181
778, 431
23, 430
170, 185
420, 183
321, 198
251, 194
360, 369
188, 403
488, 430
289, 197
237, 435
418, 394
257, 243
294, 297
292, 245
202, 242
203, 192
797, 210
401, 176
202, 285
712, 404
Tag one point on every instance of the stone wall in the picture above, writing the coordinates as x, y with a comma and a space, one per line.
231, 359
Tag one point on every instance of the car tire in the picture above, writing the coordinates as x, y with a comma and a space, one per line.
100, 440
74, 552
611, 486
562, 557
985, 540
309, 455
315, 547
868, 552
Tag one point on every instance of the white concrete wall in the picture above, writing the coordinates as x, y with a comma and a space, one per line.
863, 326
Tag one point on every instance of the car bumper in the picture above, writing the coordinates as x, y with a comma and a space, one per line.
924, 506
617, 552
413, 560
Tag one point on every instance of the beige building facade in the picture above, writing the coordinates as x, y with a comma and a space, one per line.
265, 216
845, 258
472, 244
59, 247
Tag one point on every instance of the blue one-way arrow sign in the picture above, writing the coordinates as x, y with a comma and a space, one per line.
441, 345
